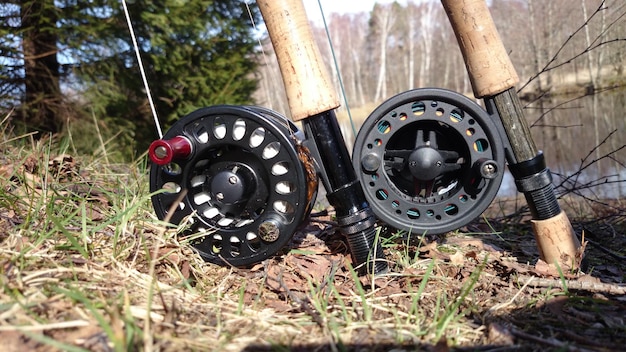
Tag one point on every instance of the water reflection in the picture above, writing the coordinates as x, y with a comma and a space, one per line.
583, 139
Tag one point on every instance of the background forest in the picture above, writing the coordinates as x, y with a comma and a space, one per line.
554, 45
67, 66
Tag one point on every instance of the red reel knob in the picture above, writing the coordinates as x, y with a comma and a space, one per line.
162, 151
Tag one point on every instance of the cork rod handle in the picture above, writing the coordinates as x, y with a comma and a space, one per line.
488, 64
309, 89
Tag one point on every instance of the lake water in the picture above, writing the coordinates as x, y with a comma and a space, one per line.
584, 141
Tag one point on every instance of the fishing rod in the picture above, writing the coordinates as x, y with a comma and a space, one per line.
242, 179
494, 78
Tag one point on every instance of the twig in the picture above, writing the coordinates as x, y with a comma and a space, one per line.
589, 342
52, 326
596, 43
304, 303
544, 341
558, 106
588, 164
510, 302
613, 289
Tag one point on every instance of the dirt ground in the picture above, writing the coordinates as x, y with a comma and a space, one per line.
519, 303
480, 288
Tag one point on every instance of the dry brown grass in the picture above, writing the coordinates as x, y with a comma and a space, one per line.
85, 265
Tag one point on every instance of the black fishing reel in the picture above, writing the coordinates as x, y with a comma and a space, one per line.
429, 160
236, 178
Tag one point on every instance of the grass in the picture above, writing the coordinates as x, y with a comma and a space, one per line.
92, 265
86, 265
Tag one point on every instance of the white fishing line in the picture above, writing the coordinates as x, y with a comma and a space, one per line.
336, 64
143, 72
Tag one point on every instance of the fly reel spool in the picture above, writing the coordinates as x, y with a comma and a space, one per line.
429, 160
237, 178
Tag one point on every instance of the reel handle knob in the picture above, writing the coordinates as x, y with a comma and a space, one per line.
163, 151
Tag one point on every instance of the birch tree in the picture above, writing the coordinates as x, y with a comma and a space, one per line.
382, 22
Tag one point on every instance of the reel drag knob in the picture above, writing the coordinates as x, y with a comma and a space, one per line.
482, 171
232, 188
487, 168
426, 163
370, 162
162, 151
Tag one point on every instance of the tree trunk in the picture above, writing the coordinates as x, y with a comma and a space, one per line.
590, 54
42, 98
358, 78
412, 12
426, 34
536, 50
385, 21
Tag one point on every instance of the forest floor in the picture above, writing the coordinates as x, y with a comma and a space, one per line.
85, 265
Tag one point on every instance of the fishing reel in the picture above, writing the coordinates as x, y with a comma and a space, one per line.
236, 178
239, 179
429, 160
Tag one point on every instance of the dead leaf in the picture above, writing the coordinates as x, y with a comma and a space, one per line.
457, 258
168, 253
544, 269
7, 171
63, 167
277, 305
465, 242
257, 267
282, 280
590, 279
93, 212
550, 270
555, 305
472, 255
499, 335
313, 267
431, 251
428, 247
185, 269
15, 341
30, 165
513, 265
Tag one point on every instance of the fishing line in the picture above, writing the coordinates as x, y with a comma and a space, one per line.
143, 72
332, 52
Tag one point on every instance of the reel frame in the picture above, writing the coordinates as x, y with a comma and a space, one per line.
240, 180
430, 160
